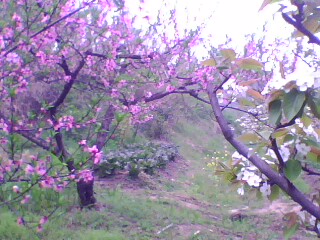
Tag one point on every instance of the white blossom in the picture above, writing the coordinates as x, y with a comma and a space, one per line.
285, 153
303, 148
251, 178
265, 189
240, 190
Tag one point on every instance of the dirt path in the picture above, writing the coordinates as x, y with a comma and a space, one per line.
152, 187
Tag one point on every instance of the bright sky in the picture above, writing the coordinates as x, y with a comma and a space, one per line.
234, 18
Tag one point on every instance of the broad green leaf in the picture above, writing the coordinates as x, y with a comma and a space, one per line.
289, 137
249, 64
249, 138
280, 132
289, 86
246, 102
306, 120
315, 150
275, 112
120, 117
209, 63
228, 54
292, 103
56, 161
255, 94
292, 224
276, 95
312, 157
292, 169
314, 105
275, 193
290, 232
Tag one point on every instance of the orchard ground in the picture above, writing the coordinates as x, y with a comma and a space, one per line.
184, 201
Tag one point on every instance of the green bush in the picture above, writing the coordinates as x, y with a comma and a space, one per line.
136, 158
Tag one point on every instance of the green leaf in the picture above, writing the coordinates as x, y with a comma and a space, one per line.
275, 112
229, 54
120, 117
307, 121
209, 63
280, 132
246, 102
288, 138
314, 104
249, 64
290, 231
249, 138
275, 193
13, 92
292, 103
292, 169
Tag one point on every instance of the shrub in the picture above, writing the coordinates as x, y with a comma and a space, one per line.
136, 158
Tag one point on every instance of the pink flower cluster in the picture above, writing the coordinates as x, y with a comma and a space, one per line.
66, 122
94, 151
85, 175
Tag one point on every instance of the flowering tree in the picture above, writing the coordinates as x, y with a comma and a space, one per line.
70, 73
280, 138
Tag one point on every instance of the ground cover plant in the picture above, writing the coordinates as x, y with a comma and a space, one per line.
136, 158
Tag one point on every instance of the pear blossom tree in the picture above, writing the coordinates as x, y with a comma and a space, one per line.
280, 141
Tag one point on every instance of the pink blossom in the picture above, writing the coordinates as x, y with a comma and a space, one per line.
43, 220
20, 221
72, 176
93, 149
41, 171
122, 83
83, 143
115, 93
58, 188
47, 183
67, 78
16, 189
135, 109
86, 175
50, 122
26, 199
39, 228
98, 157
170, 88
149, 94
29, 170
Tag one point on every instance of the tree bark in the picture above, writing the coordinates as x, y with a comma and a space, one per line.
86, 193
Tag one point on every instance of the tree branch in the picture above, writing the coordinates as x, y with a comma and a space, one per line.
297, 23
275, 177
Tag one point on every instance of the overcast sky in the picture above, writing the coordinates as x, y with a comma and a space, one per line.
234, 18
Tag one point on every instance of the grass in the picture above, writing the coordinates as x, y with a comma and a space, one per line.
196, 205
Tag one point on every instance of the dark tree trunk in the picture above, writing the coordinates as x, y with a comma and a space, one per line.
86, 193
106, 126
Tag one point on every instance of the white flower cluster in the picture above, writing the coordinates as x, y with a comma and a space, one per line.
250, 175
304, 76
309, 130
